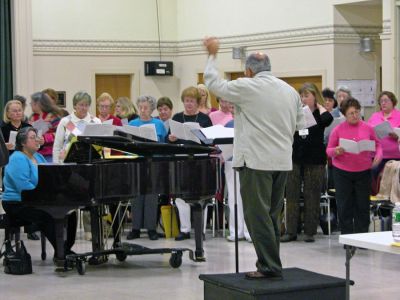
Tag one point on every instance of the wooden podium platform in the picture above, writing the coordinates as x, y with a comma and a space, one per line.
297, 284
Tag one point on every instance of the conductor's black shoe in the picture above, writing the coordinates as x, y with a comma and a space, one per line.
33, 236
134, 234
259, 275
183, 236
152, 235
309, 238
288, 238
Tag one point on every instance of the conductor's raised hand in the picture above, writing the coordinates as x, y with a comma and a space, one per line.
211, 44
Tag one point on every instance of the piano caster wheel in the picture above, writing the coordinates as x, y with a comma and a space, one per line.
175, 260
43, 255
81, 267
121, 256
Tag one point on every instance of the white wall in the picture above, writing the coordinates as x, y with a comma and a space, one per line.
236, 17
103, 19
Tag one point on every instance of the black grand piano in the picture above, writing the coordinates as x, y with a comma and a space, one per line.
88, 180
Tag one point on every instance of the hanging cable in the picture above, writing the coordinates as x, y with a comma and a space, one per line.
158, 29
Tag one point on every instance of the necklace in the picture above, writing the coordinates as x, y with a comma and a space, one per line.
195, 120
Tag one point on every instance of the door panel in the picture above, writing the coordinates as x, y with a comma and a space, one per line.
117, 85
297, 82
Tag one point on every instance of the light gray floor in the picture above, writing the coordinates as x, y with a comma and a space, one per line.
150, 277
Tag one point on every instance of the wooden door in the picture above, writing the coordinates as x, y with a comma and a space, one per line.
297, 82
117, 85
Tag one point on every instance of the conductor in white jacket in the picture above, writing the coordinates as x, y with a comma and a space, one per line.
268, 112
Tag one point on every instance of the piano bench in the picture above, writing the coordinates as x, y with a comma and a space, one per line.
12, 228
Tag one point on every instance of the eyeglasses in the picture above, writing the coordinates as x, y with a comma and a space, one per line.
353, 113
33, 137
103, 106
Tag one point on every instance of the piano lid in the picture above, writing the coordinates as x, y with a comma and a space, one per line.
126, 144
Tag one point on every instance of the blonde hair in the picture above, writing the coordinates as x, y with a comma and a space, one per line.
310, 87
201, 86
6, 119
127, 107
103, 97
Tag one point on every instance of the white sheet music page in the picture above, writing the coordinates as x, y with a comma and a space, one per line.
310, 120
366, 145
188, 126
218, 131
13, 137
124, 121
349, 146
148, 131
110, 121
41, 125
99, 130
130, 129
177, 129
357, 147
383, 129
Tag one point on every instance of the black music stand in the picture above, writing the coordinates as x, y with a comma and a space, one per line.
224, 141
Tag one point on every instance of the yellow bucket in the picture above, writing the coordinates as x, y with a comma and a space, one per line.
168, 216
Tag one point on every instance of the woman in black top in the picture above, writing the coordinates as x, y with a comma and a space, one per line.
309, 160
12, 121
191, 101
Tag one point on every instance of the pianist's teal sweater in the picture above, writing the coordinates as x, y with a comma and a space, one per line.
20, 174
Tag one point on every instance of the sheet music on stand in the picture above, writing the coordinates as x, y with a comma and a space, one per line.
215, 135
99, 129
147, 131
183, 131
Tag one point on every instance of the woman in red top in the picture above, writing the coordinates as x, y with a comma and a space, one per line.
105, 105
45, 118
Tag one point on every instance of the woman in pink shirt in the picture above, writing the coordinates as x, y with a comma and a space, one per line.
388, 113
224, 114
352, 172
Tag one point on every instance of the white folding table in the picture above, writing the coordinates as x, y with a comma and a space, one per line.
378, 241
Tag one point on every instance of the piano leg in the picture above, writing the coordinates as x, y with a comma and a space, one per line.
197, 209
116, 217
96, 223
60, 242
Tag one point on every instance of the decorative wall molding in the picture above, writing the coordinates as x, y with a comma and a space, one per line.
284, 38
386, 30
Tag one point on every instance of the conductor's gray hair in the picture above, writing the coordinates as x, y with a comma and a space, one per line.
258, 62
150, 99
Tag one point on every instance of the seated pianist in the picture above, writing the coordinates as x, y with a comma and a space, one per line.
21, 173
